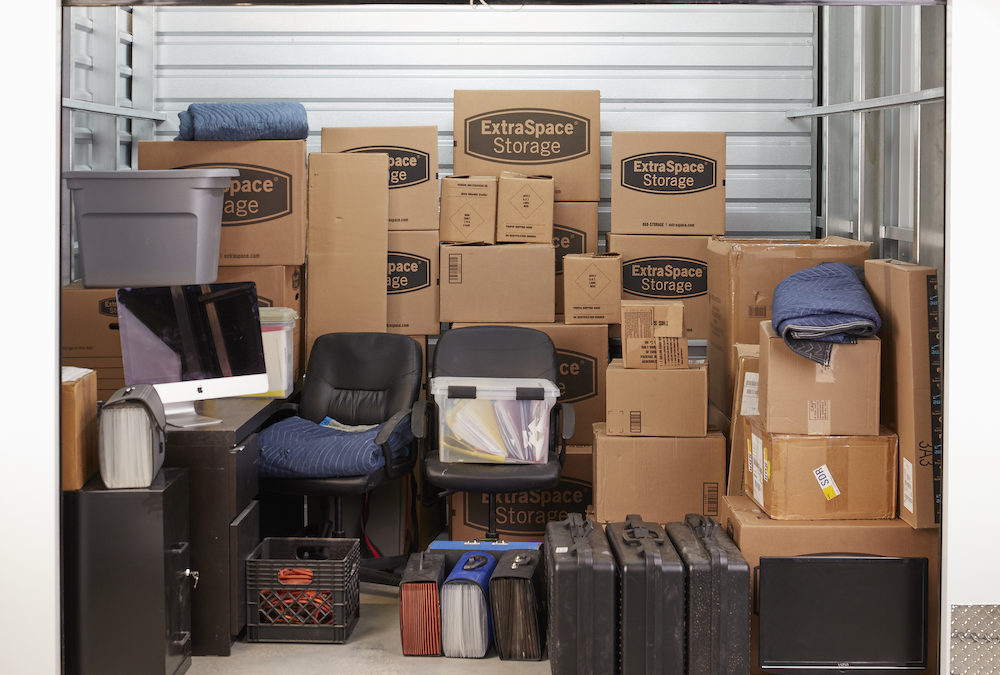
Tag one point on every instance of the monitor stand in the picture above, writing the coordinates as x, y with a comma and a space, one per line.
182, 414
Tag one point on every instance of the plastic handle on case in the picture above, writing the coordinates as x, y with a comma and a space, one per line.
459, 391
530, 394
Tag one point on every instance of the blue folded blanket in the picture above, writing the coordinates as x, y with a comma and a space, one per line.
820, 306
243, 121
299, 448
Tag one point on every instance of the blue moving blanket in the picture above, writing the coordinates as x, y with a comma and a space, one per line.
300, 448
243, 121
820, 306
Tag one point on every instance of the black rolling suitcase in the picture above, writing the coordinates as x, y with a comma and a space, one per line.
718, 607
652, 598
582, 595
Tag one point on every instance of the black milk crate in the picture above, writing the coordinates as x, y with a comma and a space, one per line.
302, 589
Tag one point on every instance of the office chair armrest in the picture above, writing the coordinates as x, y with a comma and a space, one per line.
567, 426
392, 466
418, 419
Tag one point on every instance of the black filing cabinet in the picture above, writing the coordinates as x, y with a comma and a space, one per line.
222, 460
128, 578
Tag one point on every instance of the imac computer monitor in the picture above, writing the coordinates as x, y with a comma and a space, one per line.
192, 343
842, 614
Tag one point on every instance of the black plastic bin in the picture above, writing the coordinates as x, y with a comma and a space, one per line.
302, 589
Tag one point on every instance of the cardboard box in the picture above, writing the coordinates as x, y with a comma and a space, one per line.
469, 209
555, 133
664, 267
657, 402
264, 210
413, 168
906, 297
665, 182
742, 275
653, 334
498, 283
799, 396
521, 516
524, 208
412, 283
756, 535
574, 230
793, 477
581, 362
746, 398
593, 293
277, 286
663, 479
78, 428
89, 337
348, 244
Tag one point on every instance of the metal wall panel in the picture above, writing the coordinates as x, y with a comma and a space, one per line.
659, 68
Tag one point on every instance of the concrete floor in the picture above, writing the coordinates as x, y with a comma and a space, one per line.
372, 648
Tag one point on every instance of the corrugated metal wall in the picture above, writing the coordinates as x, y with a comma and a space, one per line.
659, 68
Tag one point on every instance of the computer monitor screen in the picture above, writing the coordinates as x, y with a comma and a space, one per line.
842, 613
192, 343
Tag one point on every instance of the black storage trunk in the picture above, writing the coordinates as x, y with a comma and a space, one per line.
651, 589
718, 597
582, 594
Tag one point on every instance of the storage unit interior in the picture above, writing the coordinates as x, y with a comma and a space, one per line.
834, 115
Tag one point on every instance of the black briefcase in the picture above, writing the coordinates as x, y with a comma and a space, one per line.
582, 598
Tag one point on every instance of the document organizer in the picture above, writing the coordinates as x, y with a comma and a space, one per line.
465, 609
518, 623
131, 437
420, 604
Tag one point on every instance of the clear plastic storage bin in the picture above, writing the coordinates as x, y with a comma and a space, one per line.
148, 228
493, 420
277, 329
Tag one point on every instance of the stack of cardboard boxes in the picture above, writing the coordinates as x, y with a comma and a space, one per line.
527, 172
654, 455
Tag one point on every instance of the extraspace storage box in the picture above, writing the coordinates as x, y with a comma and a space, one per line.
413, 168
653, 335
656, 402
554, 132
498, 283
757, 535
521, 516
78, 426
667, 267
524, 208
348, 244
668, 182
581, 370
574, 230
662, 478
906, 297
799, 396
264, 210
796, 477
592, 288
412, 283
89, 338
742, 275
468, 209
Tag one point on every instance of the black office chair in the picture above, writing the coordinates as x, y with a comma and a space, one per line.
498, 351
358, 379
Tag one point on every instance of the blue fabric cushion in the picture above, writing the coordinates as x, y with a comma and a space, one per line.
300, 448
243, 121
820, 306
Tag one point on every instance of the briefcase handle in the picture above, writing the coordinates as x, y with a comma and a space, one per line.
635, 532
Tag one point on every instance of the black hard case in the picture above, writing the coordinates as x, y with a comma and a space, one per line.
582, 598
651, 588
718, 592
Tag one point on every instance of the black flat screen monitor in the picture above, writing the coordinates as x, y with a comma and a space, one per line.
192, 343
850, 613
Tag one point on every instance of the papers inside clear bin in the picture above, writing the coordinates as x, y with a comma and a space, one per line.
493, 420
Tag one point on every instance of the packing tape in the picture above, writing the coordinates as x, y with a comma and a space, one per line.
838, 463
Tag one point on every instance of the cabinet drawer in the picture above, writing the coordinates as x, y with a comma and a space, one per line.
244, 535
246, 458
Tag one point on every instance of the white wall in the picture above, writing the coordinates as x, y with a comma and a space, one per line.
29, 270
972, 370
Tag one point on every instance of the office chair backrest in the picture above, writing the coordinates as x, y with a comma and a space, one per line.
361, 378
495, 351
